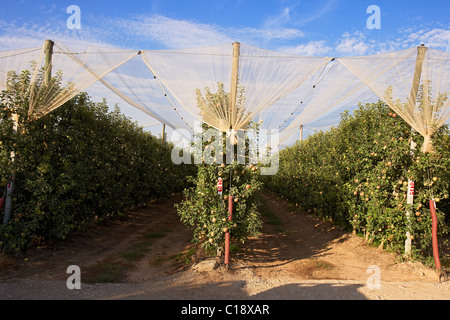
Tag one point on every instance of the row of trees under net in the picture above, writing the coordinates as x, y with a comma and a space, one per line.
357, 174
83, 163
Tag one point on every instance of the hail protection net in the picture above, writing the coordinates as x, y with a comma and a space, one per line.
413, 82
73, 71
16, 60
280, 91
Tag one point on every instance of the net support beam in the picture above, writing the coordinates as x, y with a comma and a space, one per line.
10, 185
48, 50
417, 74
233, 96
412, 100
163, 134
234, 82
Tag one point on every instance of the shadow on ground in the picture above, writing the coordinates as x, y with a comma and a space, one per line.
228, 290
294, 236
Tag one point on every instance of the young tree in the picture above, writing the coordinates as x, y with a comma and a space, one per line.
205, 209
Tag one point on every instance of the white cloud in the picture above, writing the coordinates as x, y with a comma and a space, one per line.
437, 38
14, 36
148, 32
273, 28
256, 36
353, 44
276, 21
357, 43
312, 48
434, 38
323, 9
171, 33
158, 31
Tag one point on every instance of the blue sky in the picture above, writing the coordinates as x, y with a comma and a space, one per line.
318, 27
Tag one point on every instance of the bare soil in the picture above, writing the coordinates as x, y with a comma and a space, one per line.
149, 255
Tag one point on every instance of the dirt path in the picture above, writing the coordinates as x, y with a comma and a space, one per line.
149, 256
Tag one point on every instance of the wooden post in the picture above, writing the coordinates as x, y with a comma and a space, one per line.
301, 133
434, 238
417, 74
227, 234
10, 186
163, 135
412, 100
234, 82
48, 50
232, 122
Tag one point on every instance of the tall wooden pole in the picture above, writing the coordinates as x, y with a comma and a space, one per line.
301, 133
10, 185
232, 123
434, 238
413, 97
234, 82
227, 234
48, 50
417, 74
412, 100
163, 135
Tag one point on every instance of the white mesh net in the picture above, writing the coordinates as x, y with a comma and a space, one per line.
282, 91
16, 60
413, 82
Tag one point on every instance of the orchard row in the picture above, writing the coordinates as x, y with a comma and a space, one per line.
77, 165
357, 175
